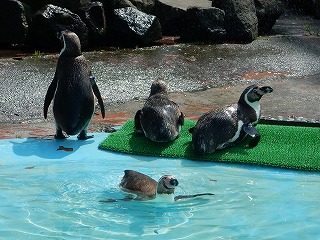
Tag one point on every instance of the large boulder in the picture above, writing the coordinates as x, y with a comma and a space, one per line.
93, 15
268, 11
316, 4
241, 21
69, 4
14, 21
309, 6
132, 27
172, 14
146, 6
51, 20
203, 24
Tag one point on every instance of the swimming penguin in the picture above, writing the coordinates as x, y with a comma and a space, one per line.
224, 127
72, 90
147, 188
160, 119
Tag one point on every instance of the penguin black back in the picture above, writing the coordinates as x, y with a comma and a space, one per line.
160, 119
72, 90
224, 127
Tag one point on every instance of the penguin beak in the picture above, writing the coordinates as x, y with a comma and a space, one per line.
174, 182
170, 182
263, 90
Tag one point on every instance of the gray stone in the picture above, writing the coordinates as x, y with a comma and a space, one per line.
146, 6
268, 11
172, 14
204, 24
133, 27
51, 20
241, 21
316, 4
14, 22
115, 4
69, 4
93, 15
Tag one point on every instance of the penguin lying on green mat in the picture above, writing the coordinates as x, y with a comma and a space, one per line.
224, 127
72, 90
160, 119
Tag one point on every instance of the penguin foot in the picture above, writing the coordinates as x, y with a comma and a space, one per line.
60, 135
83, 135
254, 142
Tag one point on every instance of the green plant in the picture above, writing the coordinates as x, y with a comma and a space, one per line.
37, 54
307, 27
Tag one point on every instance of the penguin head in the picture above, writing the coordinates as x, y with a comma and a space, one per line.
254, 93
159, 86
167, 184
71, 44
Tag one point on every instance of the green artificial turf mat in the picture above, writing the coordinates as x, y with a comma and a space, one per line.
292, 147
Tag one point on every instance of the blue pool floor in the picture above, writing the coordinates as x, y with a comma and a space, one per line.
47, 193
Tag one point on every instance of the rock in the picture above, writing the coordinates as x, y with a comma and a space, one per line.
115, 4
203, 24
241, 21
268, 11
14, 22
146, 6
132, 27
316, 8
51, 20
172, 14
69, 4
93, 15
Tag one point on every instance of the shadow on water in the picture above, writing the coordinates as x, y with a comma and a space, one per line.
47, 149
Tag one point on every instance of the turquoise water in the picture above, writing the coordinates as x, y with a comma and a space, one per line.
50, 194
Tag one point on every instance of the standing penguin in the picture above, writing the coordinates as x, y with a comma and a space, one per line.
224, 127
72, 90
160, 119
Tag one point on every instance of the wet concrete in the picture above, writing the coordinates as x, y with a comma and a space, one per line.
200, 77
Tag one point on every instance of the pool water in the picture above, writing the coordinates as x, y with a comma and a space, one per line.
50, 194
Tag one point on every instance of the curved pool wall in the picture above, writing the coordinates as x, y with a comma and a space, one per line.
50, 194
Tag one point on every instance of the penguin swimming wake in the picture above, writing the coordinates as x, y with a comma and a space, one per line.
72, 90
146, 188
160, 119
224, 127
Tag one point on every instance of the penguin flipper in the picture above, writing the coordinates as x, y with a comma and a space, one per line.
137, 123
177, 198
83, 135
49, 96
97, 94
181, 119
252, 132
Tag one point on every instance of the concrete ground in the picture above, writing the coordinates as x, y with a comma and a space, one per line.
200, 77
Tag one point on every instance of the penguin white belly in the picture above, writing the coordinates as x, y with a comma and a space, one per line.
234, 138
256, 107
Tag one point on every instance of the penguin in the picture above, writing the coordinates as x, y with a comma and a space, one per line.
225, 127
160, 119
72, 90
146, 188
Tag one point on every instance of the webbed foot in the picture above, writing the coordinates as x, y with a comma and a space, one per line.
59, 134
251, 131
83, 135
